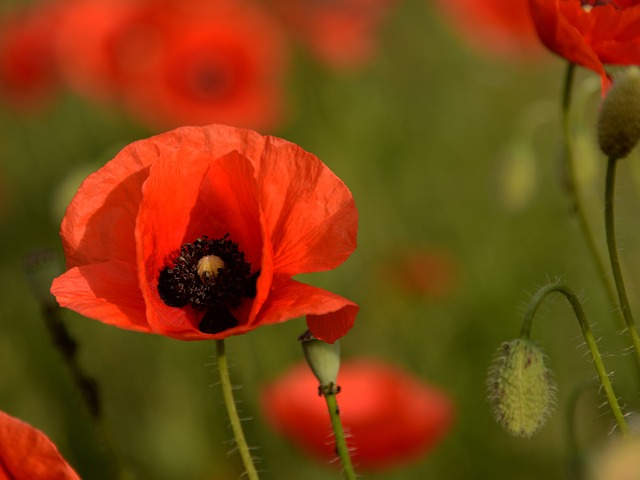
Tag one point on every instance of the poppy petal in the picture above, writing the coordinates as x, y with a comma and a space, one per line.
100, 220
26, 452
329, 316
187, 196
229, 191
312, 218
168, 198
105, 291
561, 36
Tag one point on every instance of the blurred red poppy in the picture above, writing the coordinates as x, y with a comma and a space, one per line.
390, 416
27, 453
589, 32
430, 272
178, 62
196, 233
341, 33
498, 27
28, 74
88, 42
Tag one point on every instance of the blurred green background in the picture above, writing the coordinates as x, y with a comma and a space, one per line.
443, 148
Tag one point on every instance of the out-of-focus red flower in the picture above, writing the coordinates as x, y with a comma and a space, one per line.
391, 417
590, 33
221, 61
497, 27
427, 272
146, 238
341, 33
28, 454
27, 71
177, 62
90, 38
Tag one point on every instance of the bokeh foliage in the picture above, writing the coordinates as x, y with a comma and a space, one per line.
421, 136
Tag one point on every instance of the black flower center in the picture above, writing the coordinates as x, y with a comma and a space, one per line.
209, 275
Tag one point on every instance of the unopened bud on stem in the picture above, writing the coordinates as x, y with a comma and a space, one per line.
521, 387
619, 119
323, 359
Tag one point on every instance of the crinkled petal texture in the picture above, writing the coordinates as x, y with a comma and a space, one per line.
391, 416
592, 36
27, 453
286, 210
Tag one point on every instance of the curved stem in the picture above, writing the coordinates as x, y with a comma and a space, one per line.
341, 443
572, 298
232, 412
572, 187
613, 256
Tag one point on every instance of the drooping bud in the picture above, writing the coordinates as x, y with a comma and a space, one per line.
323, 359
521, 387
619, 119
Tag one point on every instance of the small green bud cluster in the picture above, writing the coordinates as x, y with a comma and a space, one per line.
521, 387
619, 119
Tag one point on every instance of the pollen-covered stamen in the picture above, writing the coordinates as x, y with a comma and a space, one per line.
208, 267
209, 275
587, 5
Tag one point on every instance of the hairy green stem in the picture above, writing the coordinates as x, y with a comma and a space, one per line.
574, 193
613, 257
341, 443
232, 412
573, 300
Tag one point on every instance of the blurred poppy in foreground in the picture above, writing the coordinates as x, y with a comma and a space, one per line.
497, 27
390, 416
28, 454
341, 33
28, 76
589, 32
178, 62
196, 233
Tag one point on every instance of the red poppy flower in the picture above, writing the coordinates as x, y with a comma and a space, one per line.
341, 33
27, 71
217, 61
390, 416
497, 27
590, 33
177, 62
27, 453
196, 233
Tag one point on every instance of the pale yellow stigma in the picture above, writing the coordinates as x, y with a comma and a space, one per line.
208, 267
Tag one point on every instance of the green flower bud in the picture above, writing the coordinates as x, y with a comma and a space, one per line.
619, 119
324, 360
521, 387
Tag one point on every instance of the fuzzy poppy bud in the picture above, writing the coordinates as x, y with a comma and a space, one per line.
619, 119
521, 387
323, 359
